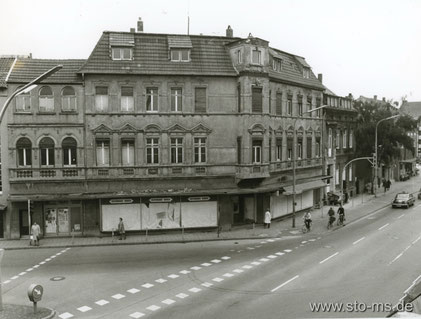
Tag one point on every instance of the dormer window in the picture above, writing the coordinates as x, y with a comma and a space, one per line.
306, 73
122, 53
277, 65
180, 55
256, 56
239, 57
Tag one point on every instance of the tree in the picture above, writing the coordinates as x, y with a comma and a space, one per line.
391, 135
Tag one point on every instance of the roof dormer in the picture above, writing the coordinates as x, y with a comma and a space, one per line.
179, 47
121, 45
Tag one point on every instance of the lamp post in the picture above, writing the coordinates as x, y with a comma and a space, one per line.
26, 88
376, 152
294, 158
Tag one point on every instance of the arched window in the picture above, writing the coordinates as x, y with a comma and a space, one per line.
46, 146
24, 152
23, 102
68, 99
69, 147
46, 99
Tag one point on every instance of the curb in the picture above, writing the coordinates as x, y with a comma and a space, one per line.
51, 315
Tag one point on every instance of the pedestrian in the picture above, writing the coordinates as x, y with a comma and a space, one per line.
341, 214
388, 184
35, 232
385, 185
332, 218
121, 229
268, 218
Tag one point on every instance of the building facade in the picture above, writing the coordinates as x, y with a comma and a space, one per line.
166, 131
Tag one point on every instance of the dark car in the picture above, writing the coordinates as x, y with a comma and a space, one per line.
403, 200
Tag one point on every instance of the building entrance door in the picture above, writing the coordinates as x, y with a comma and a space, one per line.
63, 220
23, 222
51, 221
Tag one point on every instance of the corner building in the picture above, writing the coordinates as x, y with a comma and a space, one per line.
178, 131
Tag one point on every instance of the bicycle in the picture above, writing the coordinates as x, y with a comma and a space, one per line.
306, 229
330, 222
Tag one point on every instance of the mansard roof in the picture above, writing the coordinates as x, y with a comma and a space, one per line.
209, 56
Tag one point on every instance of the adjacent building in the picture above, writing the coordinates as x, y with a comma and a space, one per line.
168, 132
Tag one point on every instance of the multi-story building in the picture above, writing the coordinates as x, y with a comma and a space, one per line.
414, 110
340, 119
166, 131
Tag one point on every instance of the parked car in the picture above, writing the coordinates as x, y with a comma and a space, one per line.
403, 200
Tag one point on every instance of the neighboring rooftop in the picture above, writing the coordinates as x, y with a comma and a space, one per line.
411, 108
5, 66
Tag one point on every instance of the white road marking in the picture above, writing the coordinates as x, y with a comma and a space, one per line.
147, 285
285, 283
47, 259
195, 289
22, 273
357, 241
14, 277
207, 284
272, 256
173, 276
102, 302
255, 263
263, 242
118, 296
247, 267
161, 280
400, 216
54, 256
250, 248
196, 268
258, 246
29, 269
42, 263
396, 258
153, 308
168, 301
287, 250
206, 264
304, 241
279, 253
36, 266
66, 315
384, 226
331, 256
133, 290
238, 271
216, 261
263, 259
6, 282
185, 272
416, 240
270, 240
181, 296
312, 239
84, 309
228, 275
137, 315
225, 257
217, 279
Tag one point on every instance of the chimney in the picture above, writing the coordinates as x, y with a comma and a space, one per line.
384, 99
140, 25
375, 98
350, 96
132, 30
320, 77
229, 32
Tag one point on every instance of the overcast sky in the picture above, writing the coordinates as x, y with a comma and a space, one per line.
363, 47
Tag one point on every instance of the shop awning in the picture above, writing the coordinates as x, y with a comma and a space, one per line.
299, 188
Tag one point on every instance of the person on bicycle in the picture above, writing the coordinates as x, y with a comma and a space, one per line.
307, 220
332, 218
341, 214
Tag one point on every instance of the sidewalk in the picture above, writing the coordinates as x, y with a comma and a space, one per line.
356, 208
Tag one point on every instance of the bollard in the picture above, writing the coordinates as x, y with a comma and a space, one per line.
146, 233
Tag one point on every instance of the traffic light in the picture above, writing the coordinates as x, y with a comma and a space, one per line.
374, 160
30, 205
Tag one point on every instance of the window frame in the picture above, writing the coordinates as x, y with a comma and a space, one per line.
46, 98
72, 99
152, 150
104, 99
126, 99
256, 50
256, 151
71, 150
47, 153
104, 142
23, 97
130, 151
176, 99
177, 150
200, 149
179, 52
152, 99
121, 50
24, 152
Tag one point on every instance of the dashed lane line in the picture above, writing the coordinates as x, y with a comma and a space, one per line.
384, 226
326, 259
285, 283
357, 241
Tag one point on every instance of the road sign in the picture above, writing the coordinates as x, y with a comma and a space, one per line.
35, 292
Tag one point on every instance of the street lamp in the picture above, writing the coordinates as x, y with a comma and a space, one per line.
376, 152
24, 89
294, 159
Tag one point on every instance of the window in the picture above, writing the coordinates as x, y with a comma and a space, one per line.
69, 147
152, 100
350, 173
68, 99
306, 73
278, 104
46, 146
122, 53
177, 150
309, 142
239, 141
256, 57
23, 102
277, 65
317, 147
239, 98
289, 105
337, 175
127, 99
256, 151
152, 150
300, 106
289, 148
351, 137
176, 100
256, 100
200, 149
101, 98
279, 149
270, 101
127, 152
345, 139
103, 152
338, 138
24, 152
330, 145
180, 55
1, 185
46, 99
318, 104
239, 57
309, 106
300, 148
200, 100
270, 150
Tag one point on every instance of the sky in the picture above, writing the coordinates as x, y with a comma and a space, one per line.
363, 47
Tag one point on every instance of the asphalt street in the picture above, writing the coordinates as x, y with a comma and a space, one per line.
372, 260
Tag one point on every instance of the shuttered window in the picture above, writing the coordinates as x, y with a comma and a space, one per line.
256, 101
278, 103
309, 141
200, 100
289, 148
